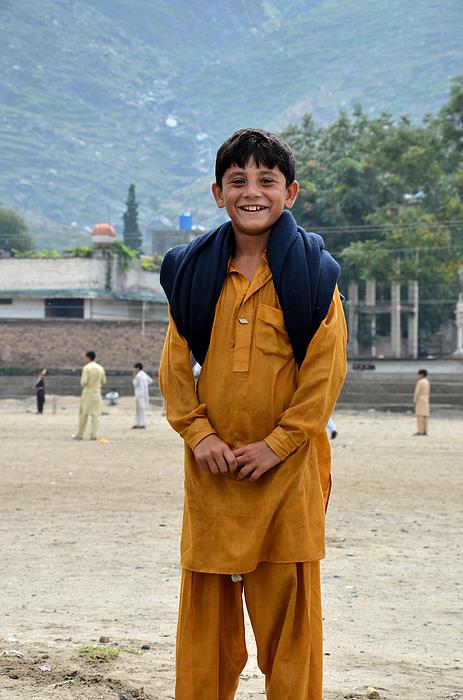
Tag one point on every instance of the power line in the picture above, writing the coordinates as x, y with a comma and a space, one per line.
455, 247
377, 228
361, 228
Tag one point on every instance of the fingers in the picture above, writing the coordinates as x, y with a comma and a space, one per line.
222, 460
221, 463
231, 460
212, 464
254, 460
245, 472
213, 454
245, 463
251, 472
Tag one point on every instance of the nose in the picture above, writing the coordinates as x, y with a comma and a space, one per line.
252, 189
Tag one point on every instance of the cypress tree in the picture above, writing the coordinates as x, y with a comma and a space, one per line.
132, 236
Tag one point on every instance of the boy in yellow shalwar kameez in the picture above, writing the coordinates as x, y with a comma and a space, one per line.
256, 302
421, 401
92, 379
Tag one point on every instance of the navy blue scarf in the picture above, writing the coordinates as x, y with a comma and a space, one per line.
304, 275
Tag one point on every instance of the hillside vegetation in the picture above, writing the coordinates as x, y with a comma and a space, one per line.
96, 94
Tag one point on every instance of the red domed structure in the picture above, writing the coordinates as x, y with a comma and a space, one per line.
103, 234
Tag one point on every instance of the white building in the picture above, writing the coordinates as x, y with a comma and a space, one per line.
96, 288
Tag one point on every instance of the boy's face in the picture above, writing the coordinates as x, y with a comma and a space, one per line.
254, 197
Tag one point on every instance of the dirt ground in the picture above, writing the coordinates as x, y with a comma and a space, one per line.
89, 548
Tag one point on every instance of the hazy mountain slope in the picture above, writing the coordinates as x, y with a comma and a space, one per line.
391, 55
96, 94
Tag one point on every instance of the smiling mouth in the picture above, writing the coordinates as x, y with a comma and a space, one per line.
253, 208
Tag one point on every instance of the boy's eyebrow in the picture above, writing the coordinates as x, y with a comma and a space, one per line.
263, 171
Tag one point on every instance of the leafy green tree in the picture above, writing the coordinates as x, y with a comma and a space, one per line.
415, 247
340, 184
14, 234
387, 195
450, 122
131, 234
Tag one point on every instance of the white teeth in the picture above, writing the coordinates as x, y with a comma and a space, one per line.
256, 208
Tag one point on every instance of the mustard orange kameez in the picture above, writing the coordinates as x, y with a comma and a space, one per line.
250, 389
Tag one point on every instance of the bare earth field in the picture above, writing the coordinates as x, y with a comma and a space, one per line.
89, 548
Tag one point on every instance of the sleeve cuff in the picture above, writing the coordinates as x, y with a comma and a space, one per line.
196, 432
280, 443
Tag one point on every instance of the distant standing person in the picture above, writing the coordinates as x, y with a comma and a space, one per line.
40, 390
421, 399
141, 381
92, 378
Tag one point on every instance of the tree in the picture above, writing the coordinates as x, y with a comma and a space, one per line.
415, 247
14, 234
131, 234
450, 121
387, 195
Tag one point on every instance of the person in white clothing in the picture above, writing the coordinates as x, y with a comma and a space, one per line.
141, 381
331, 428
112, 397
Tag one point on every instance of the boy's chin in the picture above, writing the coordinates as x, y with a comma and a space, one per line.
254, 228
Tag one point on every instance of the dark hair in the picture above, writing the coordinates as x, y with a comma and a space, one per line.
424, 372
90, 354
138, 365
263, 147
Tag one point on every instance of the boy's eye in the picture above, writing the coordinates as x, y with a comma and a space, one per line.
267, 181
237, 181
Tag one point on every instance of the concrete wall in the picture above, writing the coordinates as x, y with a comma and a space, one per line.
120, 310
388, 385
98, 309
23, 308
159, 241
136, 280
51, 273
76, 274
66, 383
63, 344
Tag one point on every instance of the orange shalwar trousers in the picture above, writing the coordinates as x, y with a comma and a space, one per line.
284, 606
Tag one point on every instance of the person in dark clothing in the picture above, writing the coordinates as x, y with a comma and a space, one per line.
40, 390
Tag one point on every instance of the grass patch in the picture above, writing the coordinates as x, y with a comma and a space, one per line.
96, 652
131, 650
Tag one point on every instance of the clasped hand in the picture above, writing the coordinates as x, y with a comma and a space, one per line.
246, 462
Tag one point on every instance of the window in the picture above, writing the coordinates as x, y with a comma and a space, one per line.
4, 302
64, 308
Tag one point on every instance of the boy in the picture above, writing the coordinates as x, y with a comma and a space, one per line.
141, 381
256, 303
39, 386
421, 401
92, 378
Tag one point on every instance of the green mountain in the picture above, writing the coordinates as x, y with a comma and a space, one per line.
96, 94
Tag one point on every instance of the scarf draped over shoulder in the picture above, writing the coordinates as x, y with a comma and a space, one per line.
304, 275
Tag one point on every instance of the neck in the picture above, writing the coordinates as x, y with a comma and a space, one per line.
248, 253
250, 246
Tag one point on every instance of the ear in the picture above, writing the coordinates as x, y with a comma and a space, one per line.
291, 194
218, 196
